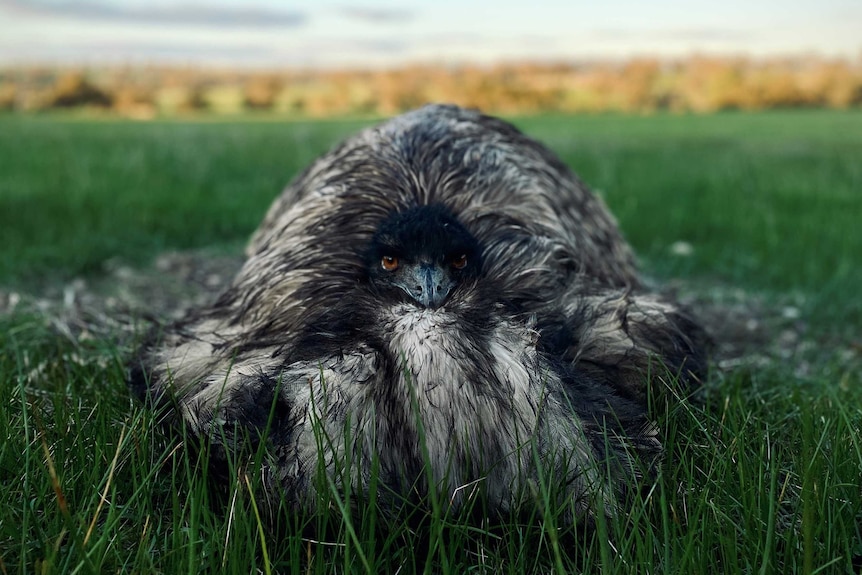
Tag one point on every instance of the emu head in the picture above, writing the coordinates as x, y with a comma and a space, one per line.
422, 253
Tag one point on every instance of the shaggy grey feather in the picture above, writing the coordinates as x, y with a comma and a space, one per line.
536, 365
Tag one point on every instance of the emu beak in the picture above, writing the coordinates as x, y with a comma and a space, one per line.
428, 284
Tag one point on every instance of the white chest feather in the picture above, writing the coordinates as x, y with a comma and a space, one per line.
478, 407
469, 408
430, 347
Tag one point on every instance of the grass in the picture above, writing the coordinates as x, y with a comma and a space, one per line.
764, 477
77, 194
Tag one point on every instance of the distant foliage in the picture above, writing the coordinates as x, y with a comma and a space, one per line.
73, 89
259, 93
8, 92
694, 84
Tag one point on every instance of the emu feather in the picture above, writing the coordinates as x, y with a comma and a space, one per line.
440, 299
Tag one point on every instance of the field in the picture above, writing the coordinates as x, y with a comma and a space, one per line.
753, 219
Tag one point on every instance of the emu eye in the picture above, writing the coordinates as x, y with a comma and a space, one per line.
389, 263
459, 262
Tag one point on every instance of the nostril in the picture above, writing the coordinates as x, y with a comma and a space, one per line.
418, 288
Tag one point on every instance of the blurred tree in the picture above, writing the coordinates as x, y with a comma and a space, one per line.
135, 102
73, 89
259, 93
638, 85
711, 84
698, 83
8, 96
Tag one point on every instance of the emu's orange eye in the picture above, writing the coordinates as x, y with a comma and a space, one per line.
459, 262
389, 263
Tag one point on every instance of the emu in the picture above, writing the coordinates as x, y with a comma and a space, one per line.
440, 301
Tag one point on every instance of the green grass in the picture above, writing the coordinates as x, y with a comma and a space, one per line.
75, 194
769, 201
764, 477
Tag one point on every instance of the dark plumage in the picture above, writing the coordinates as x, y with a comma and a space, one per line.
440, 299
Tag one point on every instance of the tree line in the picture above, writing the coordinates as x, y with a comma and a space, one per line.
642, 85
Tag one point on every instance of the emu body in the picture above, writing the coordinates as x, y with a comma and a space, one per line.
441, 300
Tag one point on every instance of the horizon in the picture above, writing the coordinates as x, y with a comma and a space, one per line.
386, 34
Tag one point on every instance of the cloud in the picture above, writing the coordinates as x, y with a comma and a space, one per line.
377, 15
131, 51
676, 34
178, 14
706, 34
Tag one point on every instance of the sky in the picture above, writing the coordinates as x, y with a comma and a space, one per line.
379, 33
